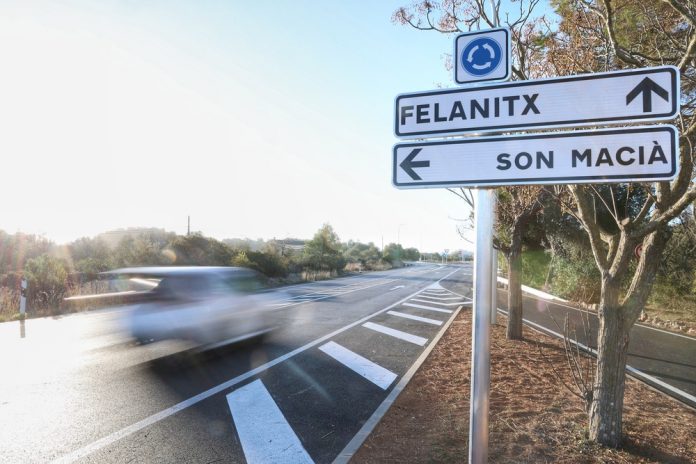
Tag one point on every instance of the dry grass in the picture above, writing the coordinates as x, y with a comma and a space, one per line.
533, 418
9, 304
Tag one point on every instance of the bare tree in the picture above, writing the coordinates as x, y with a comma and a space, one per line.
517, 207
609, 34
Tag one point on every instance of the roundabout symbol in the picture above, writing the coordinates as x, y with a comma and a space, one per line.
481, 56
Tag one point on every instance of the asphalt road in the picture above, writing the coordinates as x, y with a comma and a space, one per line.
75, 389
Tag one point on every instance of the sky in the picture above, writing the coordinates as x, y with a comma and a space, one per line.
257, 119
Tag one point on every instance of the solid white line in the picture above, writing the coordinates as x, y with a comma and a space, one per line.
435, 292
133, 428
415, 318
354, 444
396, 333
429, 308
264, 433
630, 369
373, 372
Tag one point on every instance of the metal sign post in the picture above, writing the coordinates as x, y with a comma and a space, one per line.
494, 279
480, 346
23, 298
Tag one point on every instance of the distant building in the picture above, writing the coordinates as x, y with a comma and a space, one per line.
294, 244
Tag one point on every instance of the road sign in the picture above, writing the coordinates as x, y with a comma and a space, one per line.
642, 154
648, 94
482, 56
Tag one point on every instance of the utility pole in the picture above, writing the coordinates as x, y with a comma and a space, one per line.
188, 227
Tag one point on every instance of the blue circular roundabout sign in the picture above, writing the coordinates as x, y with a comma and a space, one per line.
481, 56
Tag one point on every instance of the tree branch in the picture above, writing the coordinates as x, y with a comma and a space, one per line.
618, 50
679, 6
585, 210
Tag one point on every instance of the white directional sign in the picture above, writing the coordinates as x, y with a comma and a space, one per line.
481, 56
643, 154
647, 94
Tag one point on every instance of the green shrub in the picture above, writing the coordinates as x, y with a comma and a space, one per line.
47, 279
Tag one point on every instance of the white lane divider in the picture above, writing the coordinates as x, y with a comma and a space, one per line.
415, 318
398, 286
429, 308
373, 372
263, 431
396, 333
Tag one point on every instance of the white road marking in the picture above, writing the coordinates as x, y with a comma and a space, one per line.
396, 333
359, 438
170, 411
263, 431
440, 298
398, 286
429, 308
415, 318
373, 372
459, 294
439, 303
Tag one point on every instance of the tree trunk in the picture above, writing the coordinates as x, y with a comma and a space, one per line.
514, 325
514, 259
606, 410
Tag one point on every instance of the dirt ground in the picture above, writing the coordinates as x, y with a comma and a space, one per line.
533, 417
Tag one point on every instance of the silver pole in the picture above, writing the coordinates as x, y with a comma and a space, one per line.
480, 349
23, 299
494, 275
494, 200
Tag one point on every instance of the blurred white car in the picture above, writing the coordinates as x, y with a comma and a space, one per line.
209, 306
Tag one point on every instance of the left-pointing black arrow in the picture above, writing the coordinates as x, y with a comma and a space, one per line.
408, 164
